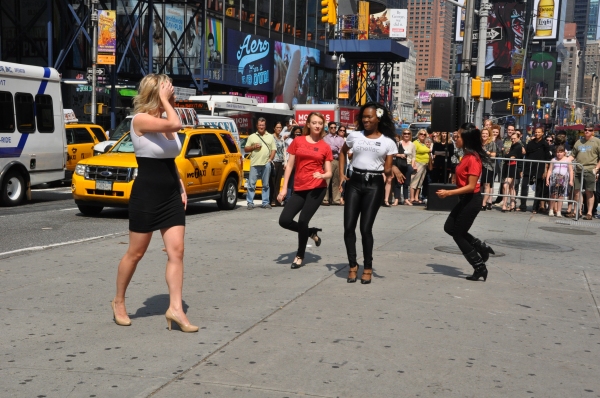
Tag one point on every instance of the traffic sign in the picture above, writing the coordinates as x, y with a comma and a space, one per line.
493, 34
99, 71
518, 110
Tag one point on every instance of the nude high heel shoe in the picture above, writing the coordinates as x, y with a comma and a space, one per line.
184, 328
118, 320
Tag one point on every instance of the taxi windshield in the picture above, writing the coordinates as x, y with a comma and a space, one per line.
121, 130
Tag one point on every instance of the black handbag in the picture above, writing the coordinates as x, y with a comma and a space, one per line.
401, 163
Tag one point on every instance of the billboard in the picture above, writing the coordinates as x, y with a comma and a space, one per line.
291, 73
214, 40
344, 84
541, 71
398, 23
173, 31
379, 25
460, 16
545, 19
426, 96
508, 52
107, 37
253, 56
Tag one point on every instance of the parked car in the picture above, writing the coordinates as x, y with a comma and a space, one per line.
210, 166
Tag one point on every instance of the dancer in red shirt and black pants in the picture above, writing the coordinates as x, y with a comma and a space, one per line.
311, 158
461, 218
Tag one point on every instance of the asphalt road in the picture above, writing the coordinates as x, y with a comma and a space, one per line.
267, 331
52, 218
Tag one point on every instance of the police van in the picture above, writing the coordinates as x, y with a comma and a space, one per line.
32, 131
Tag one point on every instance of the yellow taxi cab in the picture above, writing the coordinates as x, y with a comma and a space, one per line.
244, 187
81, 138
210, 166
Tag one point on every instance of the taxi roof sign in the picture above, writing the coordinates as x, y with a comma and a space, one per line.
69, 116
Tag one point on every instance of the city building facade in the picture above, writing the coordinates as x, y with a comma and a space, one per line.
571, 64
430, 29
404, 85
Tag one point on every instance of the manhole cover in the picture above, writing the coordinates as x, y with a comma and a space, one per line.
529, 245
568, 231
456, 250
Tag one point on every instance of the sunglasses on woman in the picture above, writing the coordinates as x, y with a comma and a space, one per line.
341, 131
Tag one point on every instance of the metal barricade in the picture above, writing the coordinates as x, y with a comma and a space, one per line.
512, 170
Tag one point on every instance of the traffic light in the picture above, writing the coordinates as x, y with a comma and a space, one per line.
101, 109
517, 90
476, 87
487, 90
508, 105
539, 104
329, 12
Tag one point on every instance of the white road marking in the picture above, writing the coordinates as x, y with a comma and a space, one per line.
37, 248
70, 208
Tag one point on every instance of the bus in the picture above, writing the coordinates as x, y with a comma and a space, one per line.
33, 147
245, 111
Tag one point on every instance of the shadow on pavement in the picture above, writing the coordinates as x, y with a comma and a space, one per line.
287, 258
155, 305
446, 270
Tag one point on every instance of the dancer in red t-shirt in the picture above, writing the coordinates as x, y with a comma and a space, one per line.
311, 158
461, 218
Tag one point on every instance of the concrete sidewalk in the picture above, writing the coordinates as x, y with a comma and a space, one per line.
420, 329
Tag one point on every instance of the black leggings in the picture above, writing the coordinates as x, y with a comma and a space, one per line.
275, 181
461, 219
306, 203
363, 198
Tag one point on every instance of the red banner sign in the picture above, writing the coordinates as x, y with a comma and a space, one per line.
302, 115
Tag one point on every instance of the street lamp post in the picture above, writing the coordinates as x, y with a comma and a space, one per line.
340, 61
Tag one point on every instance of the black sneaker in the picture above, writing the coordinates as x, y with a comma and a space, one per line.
267, 206
250, 206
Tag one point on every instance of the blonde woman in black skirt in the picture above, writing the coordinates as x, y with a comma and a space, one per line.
158, 198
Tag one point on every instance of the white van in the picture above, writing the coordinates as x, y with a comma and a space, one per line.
33, 147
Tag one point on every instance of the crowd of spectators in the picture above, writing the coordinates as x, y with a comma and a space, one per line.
547, 163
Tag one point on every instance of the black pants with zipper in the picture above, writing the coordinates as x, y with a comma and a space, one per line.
461, 219
275, 181
306, 203
363, 198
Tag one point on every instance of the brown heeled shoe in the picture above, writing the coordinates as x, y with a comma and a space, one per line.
184, 328
366, 276
352, 274
118, 320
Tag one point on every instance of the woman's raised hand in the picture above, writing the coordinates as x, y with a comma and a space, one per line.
166, 91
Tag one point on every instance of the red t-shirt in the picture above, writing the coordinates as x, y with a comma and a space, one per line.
469, 165
309, 159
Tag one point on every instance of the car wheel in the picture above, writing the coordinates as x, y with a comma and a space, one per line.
88, 210
229, 194
13, 189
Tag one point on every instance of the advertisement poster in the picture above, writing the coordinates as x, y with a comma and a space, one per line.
545, 19
348, 116
398, 23
253, 56
460, 16
193, 41
214, 40
379, 25
302, 115
291, 73
541, 74
260, 98
508, 52
107, 37
426, 96
344, 87
173, 30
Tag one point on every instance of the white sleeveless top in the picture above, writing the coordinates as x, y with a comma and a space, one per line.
154, 145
